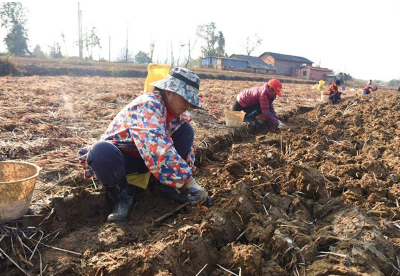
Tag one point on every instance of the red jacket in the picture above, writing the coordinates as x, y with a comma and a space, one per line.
262, 96
334, 89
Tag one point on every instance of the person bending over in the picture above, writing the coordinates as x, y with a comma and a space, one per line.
259, 100
152, 133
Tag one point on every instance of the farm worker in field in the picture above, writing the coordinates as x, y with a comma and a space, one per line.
366, 90
152, 133
334, 93
258, 100
369, 84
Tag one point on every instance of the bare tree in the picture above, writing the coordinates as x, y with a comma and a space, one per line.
190, 49
152, 45
180, 51
252, 44
166, 59
91, 40
125, 56
65, 43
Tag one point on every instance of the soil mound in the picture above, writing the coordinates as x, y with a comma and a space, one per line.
319, 197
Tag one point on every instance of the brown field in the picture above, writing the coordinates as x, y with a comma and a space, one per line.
317, 198
71, 67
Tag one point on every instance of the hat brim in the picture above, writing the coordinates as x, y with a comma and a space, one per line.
188, 92
279, 93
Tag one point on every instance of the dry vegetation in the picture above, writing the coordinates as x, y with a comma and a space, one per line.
46, 119
70, 66
318, 198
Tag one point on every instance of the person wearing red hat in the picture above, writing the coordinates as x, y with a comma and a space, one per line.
258, 100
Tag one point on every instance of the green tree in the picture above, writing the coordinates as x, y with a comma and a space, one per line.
220, 51
13, 18
344, 77
37, 52
207, 34
394, 82
142, 57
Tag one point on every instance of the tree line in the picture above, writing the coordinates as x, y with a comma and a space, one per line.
13, 17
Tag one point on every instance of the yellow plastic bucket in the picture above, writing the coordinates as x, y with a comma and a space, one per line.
234, 118
17, 182
155, 72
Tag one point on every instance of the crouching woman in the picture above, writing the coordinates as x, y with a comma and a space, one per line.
152, 133
259, 100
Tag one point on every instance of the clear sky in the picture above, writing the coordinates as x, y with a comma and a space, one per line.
356, 37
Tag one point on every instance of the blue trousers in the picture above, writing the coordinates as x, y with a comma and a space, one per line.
254, 109
334, 97
111, 165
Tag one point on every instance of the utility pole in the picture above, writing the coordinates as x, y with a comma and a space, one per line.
172, 56
80, 34
166, 59
109, 46
126, 54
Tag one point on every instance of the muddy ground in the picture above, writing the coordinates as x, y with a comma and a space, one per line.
320, 197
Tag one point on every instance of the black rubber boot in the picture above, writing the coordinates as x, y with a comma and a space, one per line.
121, 209
250, 118
122, 201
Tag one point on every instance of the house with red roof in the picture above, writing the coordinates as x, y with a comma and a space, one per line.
284, 64
313, 73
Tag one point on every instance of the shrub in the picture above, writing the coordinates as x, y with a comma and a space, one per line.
8, 68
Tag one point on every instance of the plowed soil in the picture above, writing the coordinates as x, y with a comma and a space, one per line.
319, 197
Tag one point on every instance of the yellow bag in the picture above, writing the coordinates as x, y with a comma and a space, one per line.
155, 72
140, 180
321, 85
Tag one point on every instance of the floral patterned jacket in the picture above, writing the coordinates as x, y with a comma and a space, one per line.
142, 125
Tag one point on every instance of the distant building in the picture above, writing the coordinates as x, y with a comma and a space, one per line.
284, 64
313, 73
238, 63
256, 64
223, 63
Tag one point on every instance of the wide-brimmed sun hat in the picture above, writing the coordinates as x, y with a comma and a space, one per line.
183, 82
